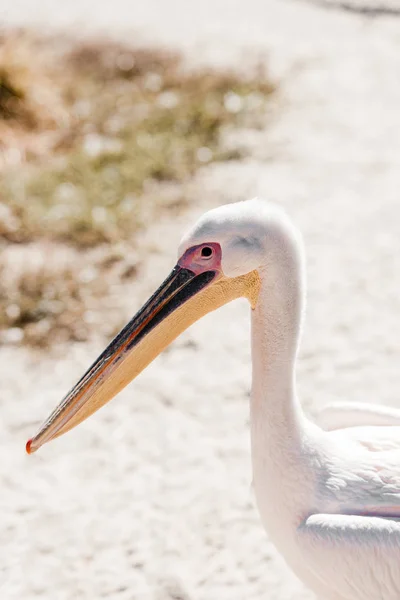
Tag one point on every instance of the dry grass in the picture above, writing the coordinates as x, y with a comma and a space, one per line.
90, 134
108, 123
50, 295
42, 306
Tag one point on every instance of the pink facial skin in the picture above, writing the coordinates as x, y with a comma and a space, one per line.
201, 258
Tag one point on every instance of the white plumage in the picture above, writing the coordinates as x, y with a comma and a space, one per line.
329, 499
328, 496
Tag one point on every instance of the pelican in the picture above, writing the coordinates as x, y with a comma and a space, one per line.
328, 497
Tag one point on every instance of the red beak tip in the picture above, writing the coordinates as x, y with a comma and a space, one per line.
28, 446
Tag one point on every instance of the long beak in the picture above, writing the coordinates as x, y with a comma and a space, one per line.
182, 299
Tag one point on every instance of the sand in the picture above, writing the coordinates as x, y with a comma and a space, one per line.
152, 499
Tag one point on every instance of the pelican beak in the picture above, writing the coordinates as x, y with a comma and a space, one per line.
183, 298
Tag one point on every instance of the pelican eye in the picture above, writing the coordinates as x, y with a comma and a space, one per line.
206, 252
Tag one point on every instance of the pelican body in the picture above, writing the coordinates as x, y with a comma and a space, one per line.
329, 498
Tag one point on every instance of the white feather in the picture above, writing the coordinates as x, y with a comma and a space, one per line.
330, 500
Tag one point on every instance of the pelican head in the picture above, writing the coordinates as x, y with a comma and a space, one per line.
218, 261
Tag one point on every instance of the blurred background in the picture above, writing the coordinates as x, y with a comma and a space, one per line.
120, 123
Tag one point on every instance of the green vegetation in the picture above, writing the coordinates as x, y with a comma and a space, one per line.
90, 135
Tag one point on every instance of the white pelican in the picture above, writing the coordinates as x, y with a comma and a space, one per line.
330, 500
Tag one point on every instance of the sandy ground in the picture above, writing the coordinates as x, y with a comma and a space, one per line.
152, 499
